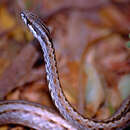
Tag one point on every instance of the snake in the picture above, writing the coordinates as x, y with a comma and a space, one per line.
36, 116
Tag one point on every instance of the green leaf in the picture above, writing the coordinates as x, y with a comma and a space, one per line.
124, 86
128, 44
28, 4
129, 35
111, 108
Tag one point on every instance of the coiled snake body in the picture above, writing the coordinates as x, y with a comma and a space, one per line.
35, 116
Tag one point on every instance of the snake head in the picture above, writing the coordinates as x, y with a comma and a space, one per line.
24, 18
34, 23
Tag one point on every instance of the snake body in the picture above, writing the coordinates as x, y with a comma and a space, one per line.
119, 120
31, 115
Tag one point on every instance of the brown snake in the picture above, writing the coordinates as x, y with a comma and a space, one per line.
28, 114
